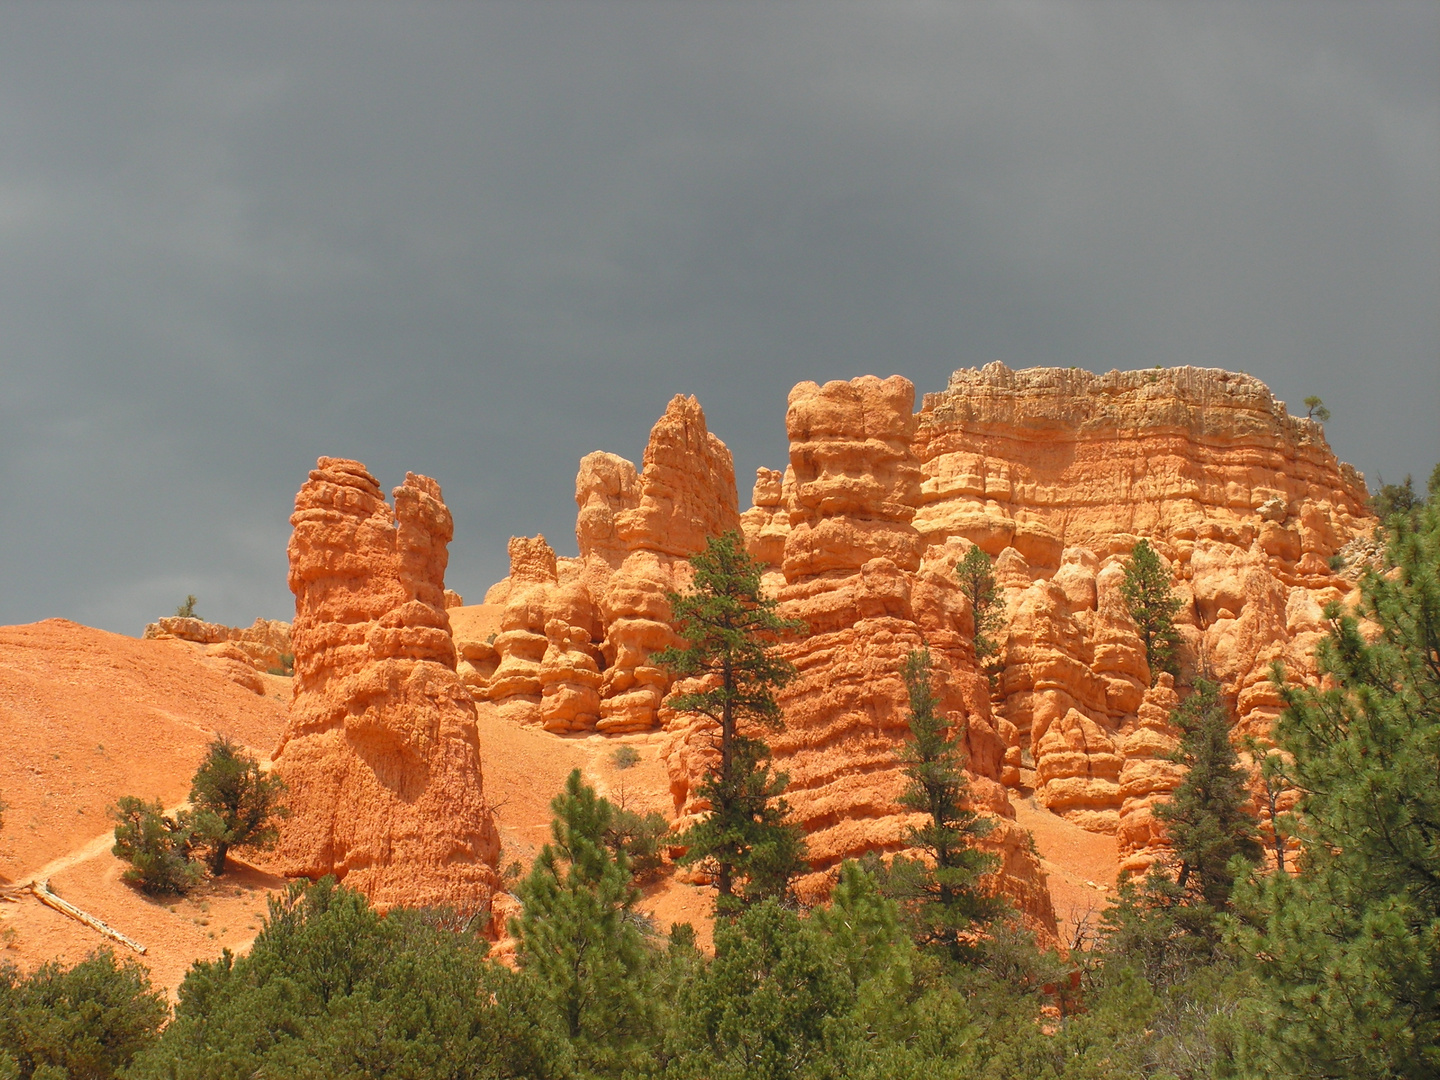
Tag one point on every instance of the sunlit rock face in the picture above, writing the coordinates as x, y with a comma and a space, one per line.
1056, 474
575, 636
381, 756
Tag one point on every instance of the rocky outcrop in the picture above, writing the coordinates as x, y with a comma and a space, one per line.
1056, 474
381, 755
854, 574
575, 637
1148, 776
264, 645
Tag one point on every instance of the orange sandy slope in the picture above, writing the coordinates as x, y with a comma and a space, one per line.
87, 716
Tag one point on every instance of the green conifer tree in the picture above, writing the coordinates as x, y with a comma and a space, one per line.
1153, 606
1207, 817
731, 631
580, 940
233, 804
977, 582
157, 847
941, 895
1346, 952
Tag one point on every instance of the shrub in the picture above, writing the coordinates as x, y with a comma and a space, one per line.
624, 756
89, 1020
156, 847
235, 804
187, 609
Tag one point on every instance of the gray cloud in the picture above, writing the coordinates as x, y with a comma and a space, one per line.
478, 241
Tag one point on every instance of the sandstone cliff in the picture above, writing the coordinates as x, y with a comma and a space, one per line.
573, 637
1055, 474
381, 753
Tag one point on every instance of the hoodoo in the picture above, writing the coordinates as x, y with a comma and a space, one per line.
381, 754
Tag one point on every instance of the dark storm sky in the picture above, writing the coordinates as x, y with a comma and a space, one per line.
480, 240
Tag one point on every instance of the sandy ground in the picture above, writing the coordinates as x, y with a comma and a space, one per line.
88, 716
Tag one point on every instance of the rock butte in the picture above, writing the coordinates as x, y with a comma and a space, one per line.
381, 753
1056, 474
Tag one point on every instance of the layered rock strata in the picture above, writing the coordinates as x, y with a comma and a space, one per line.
856, 572
264, 645
381, 755
1057, 473
576, 635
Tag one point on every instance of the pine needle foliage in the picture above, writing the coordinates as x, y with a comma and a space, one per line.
940, 894
977, 582
156, 846
581, 941
234, 804
1347, 951
1207, 817
1153, 605
731, 632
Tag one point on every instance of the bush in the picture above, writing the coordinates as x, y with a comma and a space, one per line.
234, 804
624, 757
156, 847
187, 609
640, 838
89, 1020
333, 989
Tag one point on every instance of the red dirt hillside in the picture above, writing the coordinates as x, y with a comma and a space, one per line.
87, 716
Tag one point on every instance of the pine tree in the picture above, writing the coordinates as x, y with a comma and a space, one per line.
156, 846
234, 804
977, 582
1153, 606
1206, 818
941, 895
731, 630
580, 939
1346, 953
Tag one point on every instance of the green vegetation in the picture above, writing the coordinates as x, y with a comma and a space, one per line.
1392, 499
187, 609
156, 846
731, 629
332, 989
624, 756
86, 1021
1207, 817
1153, 606
232, 805
1346, 953
580, 941
977, 582
940, 893
1315, 409
286, 666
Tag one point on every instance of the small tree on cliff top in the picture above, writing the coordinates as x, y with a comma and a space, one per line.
1153, 606
731, 629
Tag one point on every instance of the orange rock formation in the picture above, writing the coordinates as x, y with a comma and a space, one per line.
575, 635
381, 753
1056, 474
262, 645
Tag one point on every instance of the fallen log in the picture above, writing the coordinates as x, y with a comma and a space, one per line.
41, 891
